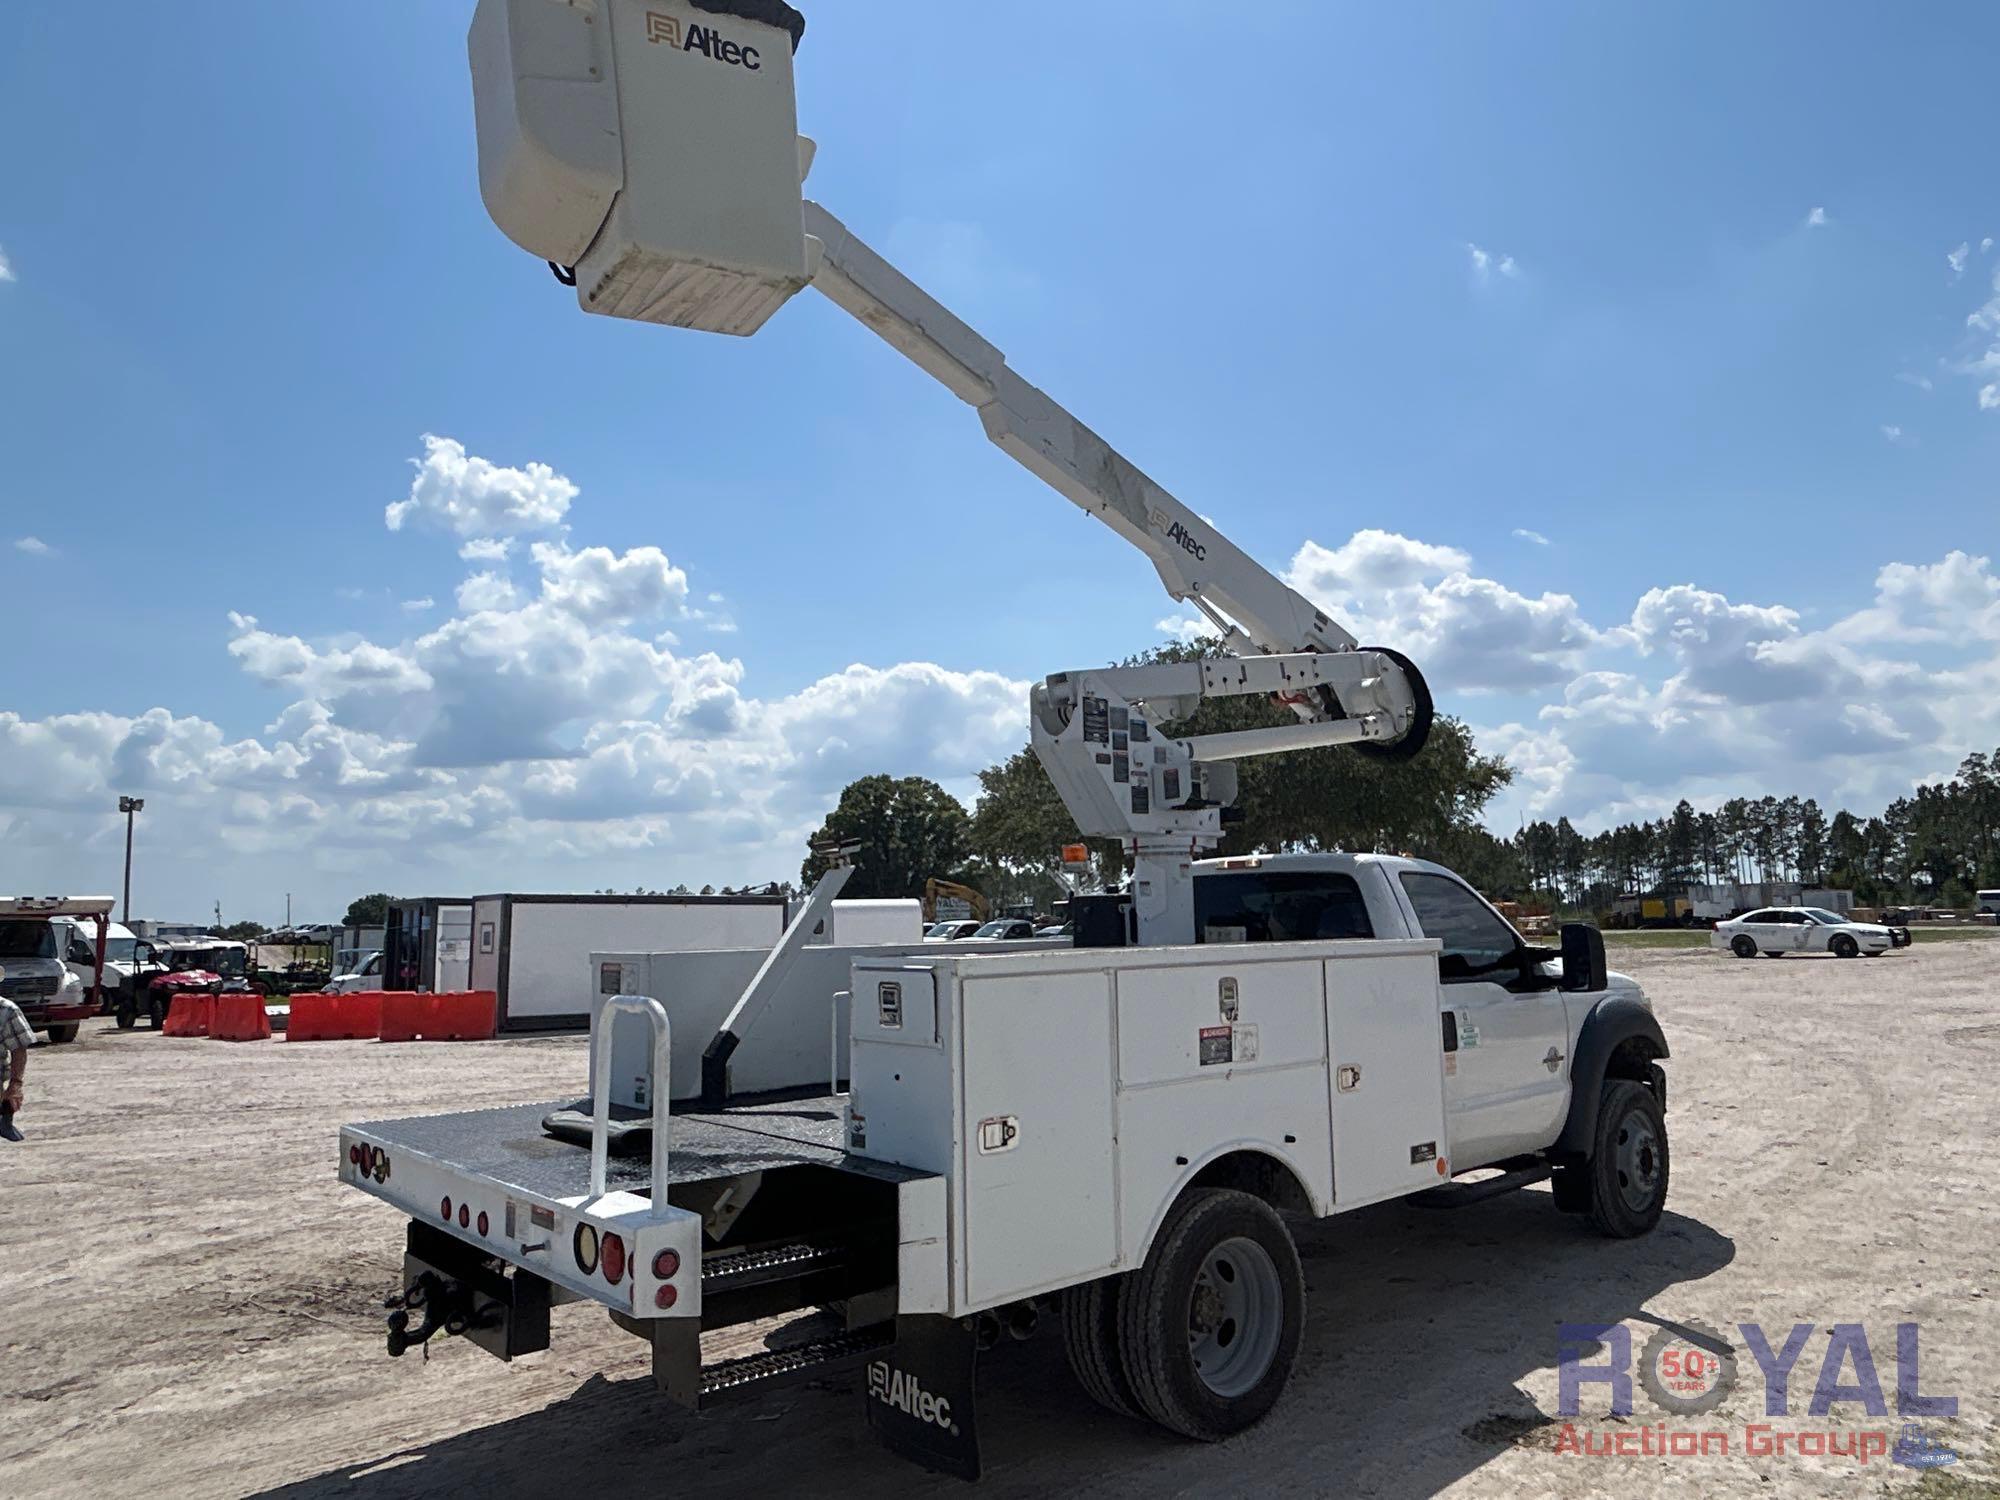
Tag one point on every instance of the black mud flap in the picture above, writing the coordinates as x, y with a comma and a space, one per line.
920, 1394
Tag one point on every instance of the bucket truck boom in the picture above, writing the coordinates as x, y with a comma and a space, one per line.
649, 151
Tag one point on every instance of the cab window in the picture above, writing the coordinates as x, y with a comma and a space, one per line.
1470, 930
1278, 906
1760, 917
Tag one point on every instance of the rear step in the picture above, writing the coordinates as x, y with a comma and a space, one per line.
799, 1359
732, 1270
1465, 1194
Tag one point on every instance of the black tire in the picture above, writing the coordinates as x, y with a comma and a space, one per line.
1629, 1163
1182, 1280
156, 1012
58, 1035
127, 1018
1844, 946
1742, 946
1873, 952
1773, 953
1090, 1338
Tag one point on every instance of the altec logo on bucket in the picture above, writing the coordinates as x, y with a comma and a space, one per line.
706, 40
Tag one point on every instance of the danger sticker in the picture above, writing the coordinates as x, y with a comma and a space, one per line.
1217, 1045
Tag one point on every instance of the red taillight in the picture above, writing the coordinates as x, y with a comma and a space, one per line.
354, 1156
464, 1216
666, 1296
444, 1209
585, 1247
614, 1259
482, 1222
666, 1263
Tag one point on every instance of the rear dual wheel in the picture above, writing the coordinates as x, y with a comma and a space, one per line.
1203, 1337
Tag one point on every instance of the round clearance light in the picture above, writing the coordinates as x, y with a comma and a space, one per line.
354, 1156
444, 1209
666, 1263
464, 1216
614, 1259
482, 1222
666, 1297
585, 1246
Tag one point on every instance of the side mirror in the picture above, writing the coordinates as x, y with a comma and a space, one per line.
1583, 967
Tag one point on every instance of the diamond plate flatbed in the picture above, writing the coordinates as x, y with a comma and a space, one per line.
509, 1146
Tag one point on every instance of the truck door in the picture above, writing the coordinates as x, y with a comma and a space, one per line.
1507, 1082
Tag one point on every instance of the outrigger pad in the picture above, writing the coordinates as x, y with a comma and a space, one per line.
920, 1394
629, 1131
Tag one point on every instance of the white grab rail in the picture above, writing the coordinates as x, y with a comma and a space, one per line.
661, 1085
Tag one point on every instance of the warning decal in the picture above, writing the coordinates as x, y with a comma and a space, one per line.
1215, 1045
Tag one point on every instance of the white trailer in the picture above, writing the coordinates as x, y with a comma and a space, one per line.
530, 949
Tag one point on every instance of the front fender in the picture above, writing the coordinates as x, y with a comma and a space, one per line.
1612, 1022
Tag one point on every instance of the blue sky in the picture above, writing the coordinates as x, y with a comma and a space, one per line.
1670, 288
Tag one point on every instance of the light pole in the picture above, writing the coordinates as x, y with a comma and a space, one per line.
129, 806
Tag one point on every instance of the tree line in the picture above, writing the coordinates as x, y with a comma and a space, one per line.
1937, 846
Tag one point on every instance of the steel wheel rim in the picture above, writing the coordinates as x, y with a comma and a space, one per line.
1637, 1158
1236, 1314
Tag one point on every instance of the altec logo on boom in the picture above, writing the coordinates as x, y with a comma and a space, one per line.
706, 40
1177, 533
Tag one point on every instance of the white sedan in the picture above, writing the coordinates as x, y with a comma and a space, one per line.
1778, 930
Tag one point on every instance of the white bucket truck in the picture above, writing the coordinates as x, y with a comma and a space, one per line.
1105, 1135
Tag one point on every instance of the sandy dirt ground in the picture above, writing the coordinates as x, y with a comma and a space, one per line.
191, 1304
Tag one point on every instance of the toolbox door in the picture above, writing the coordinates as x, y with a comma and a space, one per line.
1385, 1075
1040, 1205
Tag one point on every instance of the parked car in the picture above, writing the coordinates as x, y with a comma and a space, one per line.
1001, 929
366, 974
1777, 930
952, 930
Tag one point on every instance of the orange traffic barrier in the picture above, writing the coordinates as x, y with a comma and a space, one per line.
354, 1016
189, 1015
240, 1018
463, 1016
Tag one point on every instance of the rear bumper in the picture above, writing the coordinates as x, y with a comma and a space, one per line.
534, 1233
42, 1017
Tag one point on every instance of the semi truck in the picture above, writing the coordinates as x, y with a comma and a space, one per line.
1102, 1136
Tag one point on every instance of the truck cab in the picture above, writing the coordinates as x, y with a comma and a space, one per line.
35, 950
1511, 1026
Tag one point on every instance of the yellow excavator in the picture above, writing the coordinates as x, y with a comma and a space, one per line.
950, 890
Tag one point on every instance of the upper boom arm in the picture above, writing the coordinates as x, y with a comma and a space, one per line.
1194, 560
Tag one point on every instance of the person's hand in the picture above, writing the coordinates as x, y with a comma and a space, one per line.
12, 1098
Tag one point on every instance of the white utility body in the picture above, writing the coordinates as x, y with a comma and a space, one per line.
1104, 1133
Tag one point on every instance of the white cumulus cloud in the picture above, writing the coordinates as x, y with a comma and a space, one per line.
478, 499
